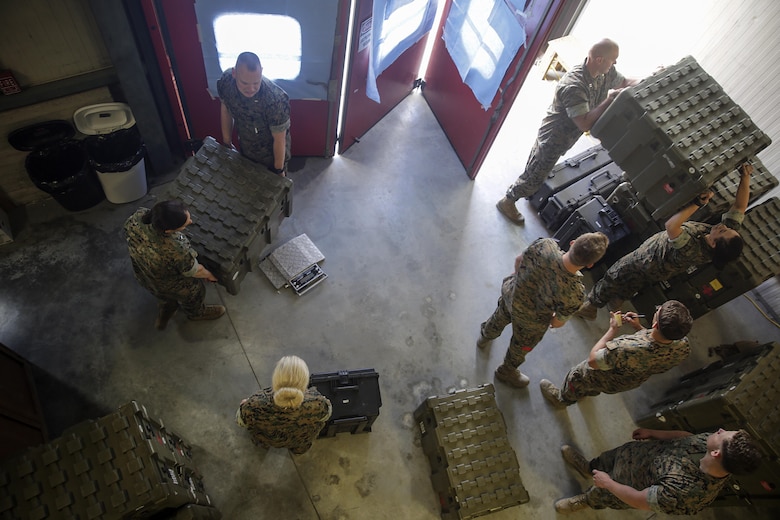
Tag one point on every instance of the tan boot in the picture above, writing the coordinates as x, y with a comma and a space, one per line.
571, 504
507, 208
587, 311
552, 393
483, 342
576, 460
211, 312
512, 376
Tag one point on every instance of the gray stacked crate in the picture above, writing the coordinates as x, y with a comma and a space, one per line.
743, 393
725, 191
237, 207
122, 466
705, 288
474, 469
675, 134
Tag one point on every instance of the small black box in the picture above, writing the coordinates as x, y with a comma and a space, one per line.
355, 397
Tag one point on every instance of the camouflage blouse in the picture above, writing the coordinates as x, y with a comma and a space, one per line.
292, 428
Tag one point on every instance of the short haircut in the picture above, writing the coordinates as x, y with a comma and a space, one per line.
166, 215
249, 60
739, 455
603, 48
726, 250
289, 382
588, 249
674, 320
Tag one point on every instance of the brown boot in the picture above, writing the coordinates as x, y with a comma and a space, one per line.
512, 376
587, 311
576, 460
482, 341
552, 393
211, 312
571, 504
507, 208
164, 314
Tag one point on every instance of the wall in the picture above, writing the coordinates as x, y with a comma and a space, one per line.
43, 41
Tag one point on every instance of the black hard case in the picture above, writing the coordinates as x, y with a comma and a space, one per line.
563, 203
568, 172
355, 397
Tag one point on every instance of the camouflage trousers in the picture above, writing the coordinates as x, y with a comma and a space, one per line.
544, 155
526, 334
189, 294
600, 498
620, 282
576, 385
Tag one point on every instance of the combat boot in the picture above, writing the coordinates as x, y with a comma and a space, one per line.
571, 504
164, 314
587, 311
576, 460
211, 312
507, 208
512, 376
482, 341
552, 393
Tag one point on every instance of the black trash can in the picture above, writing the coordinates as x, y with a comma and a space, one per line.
58, 164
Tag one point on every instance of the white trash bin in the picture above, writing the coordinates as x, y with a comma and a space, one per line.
114, 149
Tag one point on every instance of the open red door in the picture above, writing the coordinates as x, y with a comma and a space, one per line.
313, 121
471, 129
393, 84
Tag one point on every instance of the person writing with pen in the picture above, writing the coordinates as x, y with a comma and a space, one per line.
620, 363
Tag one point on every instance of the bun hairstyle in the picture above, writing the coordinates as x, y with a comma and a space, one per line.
166, 215
726, 250
289, 382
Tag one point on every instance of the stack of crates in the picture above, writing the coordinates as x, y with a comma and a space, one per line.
742, 393
125, 465
675, 133
705, 288
236, 206
474, 469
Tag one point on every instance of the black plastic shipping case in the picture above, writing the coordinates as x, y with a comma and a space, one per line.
563, 203
237, 207
355, 397
594, 215
569, 171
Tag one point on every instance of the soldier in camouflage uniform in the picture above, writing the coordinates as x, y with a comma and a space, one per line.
619, 364
671, 472
287, 415
668, 253
544, 291
166, 265
261, 111
581, 96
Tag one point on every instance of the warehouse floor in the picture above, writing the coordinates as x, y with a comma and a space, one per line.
415, 254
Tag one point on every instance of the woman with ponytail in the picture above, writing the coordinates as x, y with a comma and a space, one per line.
290, 414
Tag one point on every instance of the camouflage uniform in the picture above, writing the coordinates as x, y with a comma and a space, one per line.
625, 363
257, 117
292, 428
658, 259
576, 94
669, 468
165, 265
540, 287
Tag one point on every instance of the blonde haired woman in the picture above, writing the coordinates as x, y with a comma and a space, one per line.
289, 414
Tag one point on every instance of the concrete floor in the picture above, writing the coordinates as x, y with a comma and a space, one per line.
415, 254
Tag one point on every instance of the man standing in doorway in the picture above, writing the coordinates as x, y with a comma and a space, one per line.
581, 96
261, 111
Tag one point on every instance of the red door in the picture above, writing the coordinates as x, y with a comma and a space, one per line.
174, 27
470, 129
393, 84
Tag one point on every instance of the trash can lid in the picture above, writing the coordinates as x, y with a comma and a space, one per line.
103, 118
40, 134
